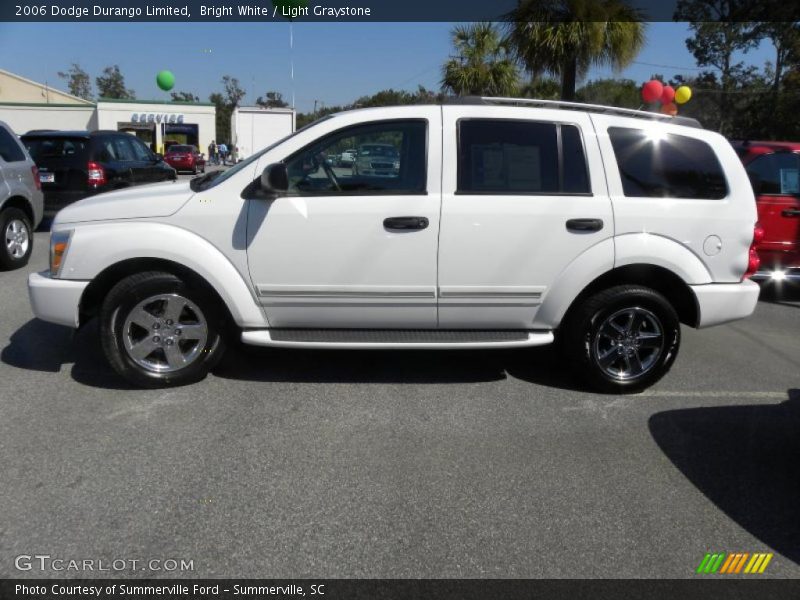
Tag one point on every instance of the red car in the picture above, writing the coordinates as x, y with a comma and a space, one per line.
774, 170
185, 158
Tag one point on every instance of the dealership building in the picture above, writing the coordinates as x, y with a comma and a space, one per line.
27, 105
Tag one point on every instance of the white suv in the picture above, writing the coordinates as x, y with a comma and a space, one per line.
508, 223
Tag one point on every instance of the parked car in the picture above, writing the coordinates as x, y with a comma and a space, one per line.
183, 157
510, 224
379, 160
76, 164
774, 168
347, 158
20, 200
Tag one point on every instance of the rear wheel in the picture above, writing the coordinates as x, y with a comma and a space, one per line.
622, 339
158, 331
17, 238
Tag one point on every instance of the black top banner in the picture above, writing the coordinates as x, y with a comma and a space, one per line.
380, 10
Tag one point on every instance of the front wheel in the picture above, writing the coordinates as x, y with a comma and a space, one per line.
623, 339
158, 331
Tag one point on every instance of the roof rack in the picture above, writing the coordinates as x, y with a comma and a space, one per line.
594, 108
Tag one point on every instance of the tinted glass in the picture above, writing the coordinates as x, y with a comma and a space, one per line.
9, 149
141, 151
56, 147
576, 178
389, 157
178, 149
507, 157
123, 148
776, 173
668, 166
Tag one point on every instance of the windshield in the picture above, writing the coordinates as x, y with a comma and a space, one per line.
209, 180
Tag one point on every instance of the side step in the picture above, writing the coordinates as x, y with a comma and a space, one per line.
396, 338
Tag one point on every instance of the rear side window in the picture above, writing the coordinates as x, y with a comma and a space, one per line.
776, 173
41, 148
9, 148
520, 157
123, 148
666, 166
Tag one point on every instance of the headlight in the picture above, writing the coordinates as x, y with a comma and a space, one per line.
59, 242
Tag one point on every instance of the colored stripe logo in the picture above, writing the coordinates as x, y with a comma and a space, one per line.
734, 563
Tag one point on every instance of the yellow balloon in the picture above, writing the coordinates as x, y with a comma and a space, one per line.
683, 94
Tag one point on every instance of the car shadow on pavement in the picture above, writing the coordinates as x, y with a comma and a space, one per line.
536, 365
788, 294
41, 346
746, 460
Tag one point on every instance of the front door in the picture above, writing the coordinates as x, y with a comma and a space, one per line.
523, 195
353, 246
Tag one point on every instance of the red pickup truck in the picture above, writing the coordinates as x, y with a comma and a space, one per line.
774, 170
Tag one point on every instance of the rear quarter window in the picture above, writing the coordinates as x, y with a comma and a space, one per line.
41, 148
9, 148
666, 166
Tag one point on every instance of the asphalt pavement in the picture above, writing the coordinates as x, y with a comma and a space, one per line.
399, 464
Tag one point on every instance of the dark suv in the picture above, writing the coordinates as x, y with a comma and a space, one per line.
76, 164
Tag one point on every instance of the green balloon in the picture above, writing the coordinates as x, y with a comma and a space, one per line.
165, 80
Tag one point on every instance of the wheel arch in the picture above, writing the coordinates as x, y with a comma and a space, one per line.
23, 204
666, 282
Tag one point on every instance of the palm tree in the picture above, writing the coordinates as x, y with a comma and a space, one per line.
484, 65
566, 37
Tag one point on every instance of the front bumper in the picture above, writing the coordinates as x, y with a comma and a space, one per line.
55, 300
720, 303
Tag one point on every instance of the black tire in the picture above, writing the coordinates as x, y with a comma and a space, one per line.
194, 170
20, 238
610, 363
198, 309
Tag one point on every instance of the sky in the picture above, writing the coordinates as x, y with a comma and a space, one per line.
334, 63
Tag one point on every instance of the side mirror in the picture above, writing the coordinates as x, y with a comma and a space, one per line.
159, 157
275, 179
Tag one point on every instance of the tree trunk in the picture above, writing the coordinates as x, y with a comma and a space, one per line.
569, 77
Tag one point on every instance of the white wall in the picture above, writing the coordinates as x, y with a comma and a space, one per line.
253, 129
23, 118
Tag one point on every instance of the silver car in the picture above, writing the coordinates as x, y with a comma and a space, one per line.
21, 200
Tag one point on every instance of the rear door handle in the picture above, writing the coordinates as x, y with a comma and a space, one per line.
791, 212
405, 223
584, 224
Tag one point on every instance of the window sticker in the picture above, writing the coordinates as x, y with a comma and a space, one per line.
790, 181
524, 167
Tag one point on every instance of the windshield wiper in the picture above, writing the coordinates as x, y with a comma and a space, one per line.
199, 183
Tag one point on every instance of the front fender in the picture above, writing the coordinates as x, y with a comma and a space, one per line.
94, 248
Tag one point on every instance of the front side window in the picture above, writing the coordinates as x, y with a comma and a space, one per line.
385, 157
123, 148
9, 149
666, 165
776, 173
520, 157
141, 151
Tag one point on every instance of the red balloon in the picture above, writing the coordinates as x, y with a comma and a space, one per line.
668, 95
652, 90
670, 108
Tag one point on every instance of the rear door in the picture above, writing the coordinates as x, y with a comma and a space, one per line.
778, 200
523, 195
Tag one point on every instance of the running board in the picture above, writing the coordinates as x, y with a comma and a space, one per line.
395, 338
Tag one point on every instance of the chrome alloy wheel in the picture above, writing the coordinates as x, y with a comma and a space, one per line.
165, 333
17, 238
628, 343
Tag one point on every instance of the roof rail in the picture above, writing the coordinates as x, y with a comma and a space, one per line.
594, 108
